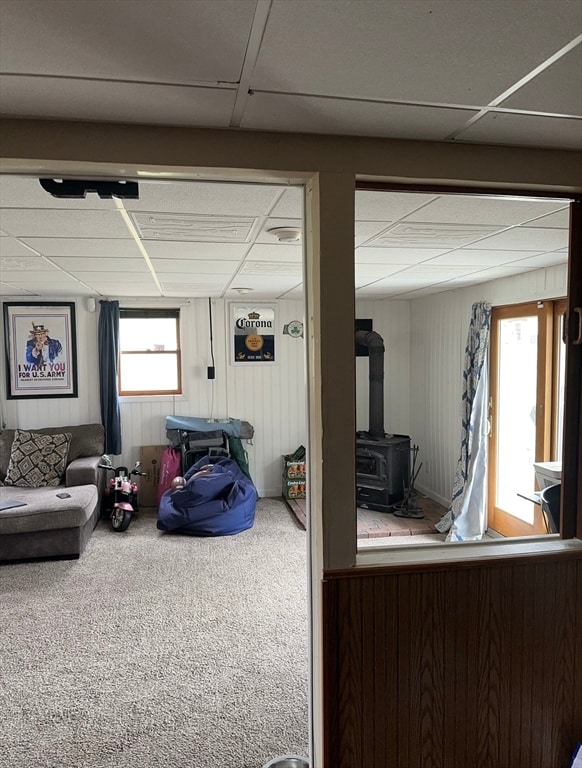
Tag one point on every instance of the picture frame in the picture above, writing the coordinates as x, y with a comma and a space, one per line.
252, 331
40, 346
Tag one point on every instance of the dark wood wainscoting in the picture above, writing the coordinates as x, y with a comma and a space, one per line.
454, 667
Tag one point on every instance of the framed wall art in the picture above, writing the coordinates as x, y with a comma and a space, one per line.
253, 333
41, 349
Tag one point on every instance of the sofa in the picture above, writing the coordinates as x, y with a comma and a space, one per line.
34, 521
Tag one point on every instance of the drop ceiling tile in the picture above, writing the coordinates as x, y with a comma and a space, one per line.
9, 246
149, 41
558, 220
433, 273
310, 114
92, 264
192, 227
190, 250
295, 293
376, 271
465, 209
271, 285
475, 258
368, 255
270, 268
194, 267
524, 130
432, 235
128, 289
102, 248
496, 272
557, 89
7, 290
388, 49
540, 261
366, 230
276, 252
63, 223
290, 204
114, 280
526, 239
21, 192
205, 198
13, 266
388, 206
106, 101
33, 281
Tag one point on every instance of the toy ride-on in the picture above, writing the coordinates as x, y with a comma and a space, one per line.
120, 496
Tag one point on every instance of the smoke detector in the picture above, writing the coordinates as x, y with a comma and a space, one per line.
241, 291
286, 234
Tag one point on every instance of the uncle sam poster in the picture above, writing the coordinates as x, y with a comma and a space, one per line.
40, 346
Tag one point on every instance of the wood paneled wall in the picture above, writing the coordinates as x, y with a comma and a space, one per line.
454, 667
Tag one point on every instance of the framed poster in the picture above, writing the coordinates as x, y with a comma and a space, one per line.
41, 349
253, 333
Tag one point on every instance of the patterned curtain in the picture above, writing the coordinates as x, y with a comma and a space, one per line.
466, 518
108, 346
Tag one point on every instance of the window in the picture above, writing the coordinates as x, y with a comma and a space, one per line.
149, 352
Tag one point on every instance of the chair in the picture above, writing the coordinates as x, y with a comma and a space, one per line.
550, 504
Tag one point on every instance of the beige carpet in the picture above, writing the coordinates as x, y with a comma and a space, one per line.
158, 650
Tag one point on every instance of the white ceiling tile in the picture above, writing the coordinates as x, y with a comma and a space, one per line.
309, 114
475, 258
276, 252
192, 250
365, 230
173, 41
270, 268
36, 279
368, 271
526, 239
558, 220
461, 209
100, 100
556, 89
495, 272
204, 198
92, 264
290, 204
113, 279
194, 267
11, 247
388, 206
18, 266
102, 248
368, 255
192, 227
434, 273
11, 290
127, 289
432, 234
524, 131
272, 284
457, 52
60, 223
541, 260
21, 192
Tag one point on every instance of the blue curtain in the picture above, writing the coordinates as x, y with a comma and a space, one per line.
108, 346
466, 518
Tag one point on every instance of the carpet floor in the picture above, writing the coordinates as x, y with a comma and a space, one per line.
158, 650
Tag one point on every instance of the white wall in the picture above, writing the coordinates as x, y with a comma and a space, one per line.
271, 397
439, 325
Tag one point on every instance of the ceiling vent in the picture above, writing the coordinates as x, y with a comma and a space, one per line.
430, 235
189, 227
271, 268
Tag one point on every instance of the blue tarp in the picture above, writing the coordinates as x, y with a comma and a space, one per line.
219, 502
232, 427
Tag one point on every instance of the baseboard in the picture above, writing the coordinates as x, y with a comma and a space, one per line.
432, 495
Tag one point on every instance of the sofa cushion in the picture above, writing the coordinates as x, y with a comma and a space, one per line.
44, 511
37, 459
86, 440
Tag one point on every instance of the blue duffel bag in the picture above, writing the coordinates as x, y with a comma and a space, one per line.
218, 499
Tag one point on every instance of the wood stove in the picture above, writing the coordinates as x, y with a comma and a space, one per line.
382, 460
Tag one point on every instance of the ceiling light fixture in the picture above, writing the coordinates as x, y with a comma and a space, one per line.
242, 291
286, 234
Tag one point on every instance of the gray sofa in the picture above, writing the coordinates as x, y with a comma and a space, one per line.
47, 526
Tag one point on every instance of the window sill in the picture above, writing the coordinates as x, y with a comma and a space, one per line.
466, 552
150, 398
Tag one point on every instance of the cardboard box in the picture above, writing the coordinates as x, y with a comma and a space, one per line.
151, 460
293, 489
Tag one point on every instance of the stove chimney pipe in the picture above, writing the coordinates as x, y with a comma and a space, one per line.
375, 344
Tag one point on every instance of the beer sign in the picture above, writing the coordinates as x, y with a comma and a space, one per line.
253, 333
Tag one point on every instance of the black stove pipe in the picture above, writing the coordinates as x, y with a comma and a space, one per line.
375, 344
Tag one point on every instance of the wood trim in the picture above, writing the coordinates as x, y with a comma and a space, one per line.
560, 308
571, 507
544, 383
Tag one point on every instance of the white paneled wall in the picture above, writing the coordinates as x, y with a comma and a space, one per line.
439, 325
271, 397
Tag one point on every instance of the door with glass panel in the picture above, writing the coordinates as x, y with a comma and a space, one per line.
520, 415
